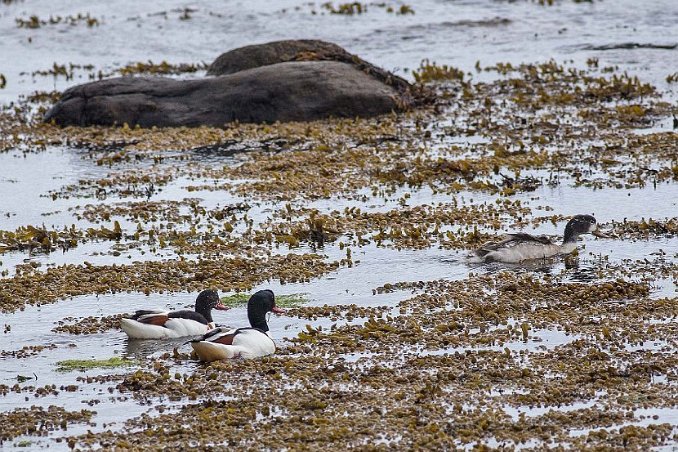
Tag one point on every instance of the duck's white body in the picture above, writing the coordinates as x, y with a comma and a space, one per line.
521, 247
527, 251
221, 343
162, 327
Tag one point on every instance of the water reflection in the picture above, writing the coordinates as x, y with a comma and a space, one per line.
584, 274
143, 348
545, 266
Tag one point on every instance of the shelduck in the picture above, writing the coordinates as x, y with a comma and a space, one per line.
519, 247
160, 324
253, 342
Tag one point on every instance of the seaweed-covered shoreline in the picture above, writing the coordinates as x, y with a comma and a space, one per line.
400, 342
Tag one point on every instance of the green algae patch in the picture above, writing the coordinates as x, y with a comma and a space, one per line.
85, 364
283, 301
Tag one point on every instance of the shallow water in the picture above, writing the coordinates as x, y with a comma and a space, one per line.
449, 32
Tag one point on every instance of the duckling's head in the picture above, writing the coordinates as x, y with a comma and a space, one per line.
579, 224
260, 304
208, 300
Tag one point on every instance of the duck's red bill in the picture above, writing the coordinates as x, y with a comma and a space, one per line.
221, 307
277, 310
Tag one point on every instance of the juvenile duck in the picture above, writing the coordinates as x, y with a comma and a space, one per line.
160, 324
223, 343
519, 247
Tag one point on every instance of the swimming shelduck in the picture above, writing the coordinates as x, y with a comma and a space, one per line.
252, 342
520, 246
160, 324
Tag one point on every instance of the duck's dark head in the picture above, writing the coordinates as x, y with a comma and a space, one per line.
258, 306
206, 301
579, 224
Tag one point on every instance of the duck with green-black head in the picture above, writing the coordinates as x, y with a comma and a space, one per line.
249, 342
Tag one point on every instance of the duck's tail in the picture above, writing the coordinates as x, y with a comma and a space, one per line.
210, 351
138, 330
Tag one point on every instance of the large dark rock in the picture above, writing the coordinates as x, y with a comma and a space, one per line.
294, 80
291, 91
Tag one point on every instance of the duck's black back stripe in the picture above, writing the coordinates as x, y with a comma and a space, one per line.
249, 328
141, 312
189, 315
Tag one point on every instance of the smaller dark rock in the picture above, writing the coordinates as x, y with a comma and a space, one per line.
275, 52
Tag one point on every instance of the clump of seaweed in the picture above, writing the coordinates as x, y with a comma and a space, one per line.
88, 325
162, 68
65, 70
26, 351
40, 239
38, 421
431, 72
354, 8
348, 9
227, 274
36, 22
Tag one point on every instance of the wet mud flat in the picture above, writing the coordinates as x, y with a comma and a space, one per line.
399, 342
